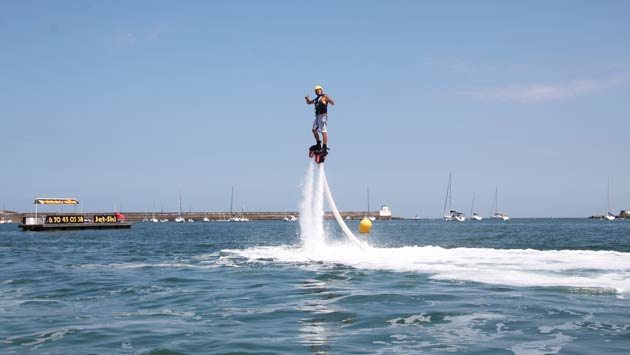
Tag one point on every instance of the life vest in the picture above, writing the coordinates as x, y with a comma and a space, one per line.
320, 107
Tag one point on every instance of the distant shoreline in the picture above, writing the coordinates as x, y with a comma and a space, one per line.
199, 216
255, 216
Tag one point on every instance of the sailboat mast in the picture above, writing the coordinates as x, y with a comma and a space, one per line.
448, 190
472, 208
608, 194
368, 201
450, 194
180, 203
496, 199
231, 201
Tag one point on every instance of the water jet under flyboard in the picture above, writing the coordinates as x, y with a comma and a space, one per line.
312, 210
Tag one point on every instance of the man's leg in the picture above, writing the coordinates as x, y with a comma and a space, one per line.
316, 135
325, 137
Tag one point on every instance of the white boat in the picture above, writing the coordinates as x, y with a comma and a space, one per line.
473, 215
205, 218
290, 218
415, 218
190, 220
3, 220
454, 215
498, 214
236, 218
180, 218
450, 214
371, 218
153, 219
609, 216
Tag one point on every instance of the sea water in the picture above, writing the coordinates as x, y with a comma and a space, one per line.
526, 286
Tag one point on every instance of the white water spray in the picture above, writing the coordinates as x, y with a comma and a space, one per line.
312, 210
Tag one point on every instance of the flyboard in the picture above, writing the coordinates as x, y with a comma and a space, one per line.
319, 159
317, 153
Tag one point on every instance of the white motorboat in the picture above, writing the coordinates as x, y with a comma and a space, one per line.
455, 215
500, 215
474, 216
290, 218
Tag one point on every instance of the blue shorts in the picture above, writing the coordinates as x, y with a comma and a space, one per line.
319, 123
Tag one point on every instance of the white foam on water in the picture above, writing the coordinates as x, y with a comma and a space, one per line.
581, 269
607, 271
542, 347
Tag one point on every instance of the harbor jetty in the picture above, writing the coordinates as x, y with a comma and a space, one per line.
213, 216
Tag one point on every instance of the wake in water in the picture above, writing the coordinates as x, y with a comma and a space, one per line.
607, 271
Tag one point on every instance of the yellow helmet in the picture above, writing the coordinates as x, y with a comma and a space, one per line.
317, 87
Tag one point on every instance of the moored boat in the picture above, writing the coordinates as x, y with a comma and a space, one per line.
70, 221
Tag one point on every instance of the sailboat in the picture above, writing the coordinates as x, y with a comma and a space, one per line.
609, 216
371, 218
453, 215
474, 216
163, 219
153, 219
205, 217
3, 220
179, 218
232, 217
498, 214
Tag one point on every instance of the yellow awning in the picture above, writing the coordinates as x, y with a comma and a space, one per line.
56, 201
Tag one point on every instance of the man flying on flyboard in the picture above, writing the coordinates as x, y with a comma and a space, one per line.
320, 123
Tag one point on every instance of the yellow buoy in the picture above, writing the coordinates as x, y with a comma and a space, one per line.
365, 226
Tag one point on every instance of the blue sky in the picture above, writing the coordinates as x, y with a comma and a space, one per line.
125, 103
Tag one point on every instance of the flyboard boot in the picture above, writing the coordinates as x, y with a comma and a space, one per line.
314, 148
321, 154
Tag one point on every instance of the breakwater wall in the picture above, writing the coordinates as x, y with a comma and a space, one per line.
212, 216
